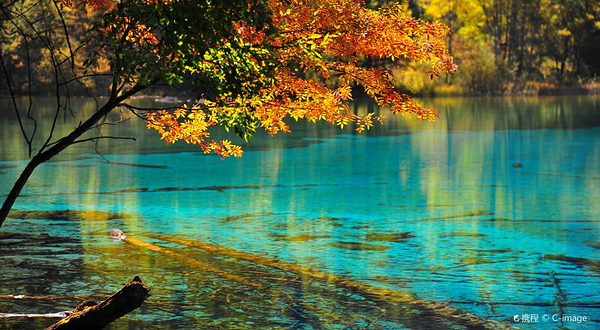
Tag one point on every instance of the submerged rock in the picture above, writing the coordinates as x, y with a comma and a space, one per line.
117, 234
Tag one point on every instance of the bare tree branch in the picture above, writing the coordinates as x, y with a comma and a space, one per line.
30, 98
96, 138
14, 102
90, 75
64, 25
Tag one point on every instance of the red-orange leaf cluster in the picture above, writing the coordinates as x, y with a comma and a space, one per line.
319, 50
98, 5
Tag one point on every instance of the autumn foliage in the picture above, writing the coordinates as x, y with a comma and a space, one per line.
303, 64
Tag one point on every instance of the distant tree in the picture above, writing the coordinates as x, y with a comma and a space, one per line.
253, 64
503, 44
468, 41
571, 39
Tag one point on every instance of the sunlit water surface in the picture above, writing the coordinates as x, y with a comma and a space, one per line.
493, 209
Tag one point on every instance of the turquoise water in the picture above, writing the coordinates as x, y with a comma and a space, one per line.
493, 209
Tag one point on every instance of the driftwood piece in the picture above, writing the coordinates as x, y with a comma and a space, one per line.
91, 316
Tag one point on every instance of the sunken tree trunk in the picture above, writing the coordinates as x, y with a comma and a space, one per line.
91, 316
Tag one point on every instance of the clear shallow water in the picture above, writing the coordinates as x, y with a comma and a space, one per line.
438, 210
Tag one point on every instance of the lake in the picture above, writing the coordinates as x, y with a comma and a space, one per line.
494, 209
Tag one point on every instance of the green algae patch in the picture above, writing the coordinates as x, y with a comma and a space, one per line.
356, 246
462, 234
326, 218
593, 264
494, 251
469, 215
475, 260
85, 215
298, 238
131, 190
595, 245
27, 239
541, 220
139, 165
214, 188
332, 221
388, 237
72, 165
231, 218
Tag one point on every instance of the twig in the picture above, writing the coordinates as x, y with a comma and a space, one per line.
14, 102
560, 296
50, 298
95, 139
59, 315
64, 25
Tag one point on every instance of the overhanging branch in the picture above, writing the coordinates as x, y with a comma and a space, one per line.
96, 138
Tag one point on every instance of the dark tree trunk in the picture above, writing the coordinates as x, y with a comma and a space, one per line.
91, 316
16, 189
62, 144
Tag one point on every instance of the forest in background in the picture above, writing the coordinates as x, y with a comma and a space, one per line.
502, 47
516, 46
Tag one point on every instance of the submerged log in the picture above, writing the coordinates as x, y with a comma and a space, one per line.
427, 308
199, 265
239, 279
91, 316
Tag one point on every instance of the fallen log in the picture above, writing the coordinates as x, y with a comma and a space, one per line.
91, 316
430, 308
200, 265
207, 268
